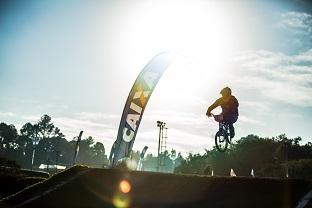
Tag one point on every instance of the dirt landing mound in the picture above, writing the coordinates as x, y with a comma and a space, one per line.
83, 187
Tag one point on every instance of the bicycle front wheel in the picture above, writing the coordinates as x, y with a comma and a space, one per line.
221, 141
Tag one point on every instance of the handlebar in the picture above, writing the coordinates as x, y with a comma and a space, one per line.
217, 118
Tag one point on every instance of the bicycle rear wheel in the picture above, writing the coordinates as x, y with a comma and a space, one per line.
221, 141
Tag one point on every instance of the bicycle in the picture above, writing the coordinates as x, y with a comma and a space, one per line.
222, 137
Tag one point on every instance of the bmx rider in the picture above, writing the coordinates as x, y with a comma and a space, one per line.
229, 105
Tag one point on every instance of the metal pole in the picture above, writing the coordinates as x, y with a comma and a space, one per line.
35, 143
77, 148
32, 158
286, 159
158, 158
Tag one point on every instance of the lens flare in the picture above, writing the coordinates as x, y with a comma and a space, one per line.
121, 201
124, 186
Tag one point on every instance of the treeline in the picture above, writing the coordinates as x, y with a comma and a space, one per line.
49, 144
268, 157
51, 147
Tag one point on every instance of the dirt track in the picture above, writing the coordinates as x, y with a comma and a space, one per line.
100, 188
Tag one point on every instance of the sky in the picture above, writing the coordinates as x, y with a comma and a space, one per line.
77, 61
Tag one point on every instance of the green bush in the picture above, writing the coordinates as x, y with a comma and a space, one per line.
300, 168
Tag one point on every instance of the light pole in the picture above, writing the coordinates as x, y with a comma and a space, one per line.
161, 126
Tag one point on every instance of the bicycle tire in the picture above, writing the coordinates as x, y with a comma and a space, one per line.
221, 144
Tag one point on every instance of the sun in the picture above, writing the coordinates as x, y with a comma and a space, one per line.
197, 31
192, 28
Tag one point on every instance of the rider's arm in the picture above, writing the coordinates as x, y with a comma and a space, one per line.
213, 106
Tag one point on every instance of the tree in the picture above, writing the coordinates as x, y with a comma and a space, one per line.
150, 162
46, 127
24, 151
99, 157
193, 164
8, 136
85, 154
266, 156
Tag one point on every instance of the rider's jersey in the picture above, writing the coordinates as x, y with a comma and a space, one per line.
229, 106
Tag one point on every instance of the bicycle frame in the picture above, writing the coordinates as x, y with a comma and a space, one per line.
224, 127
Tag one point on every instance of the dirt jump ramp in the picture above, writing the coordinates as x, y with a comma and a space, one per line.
86, 187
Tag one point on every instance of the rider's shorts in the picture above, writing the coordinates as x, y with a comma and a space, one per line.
230, 118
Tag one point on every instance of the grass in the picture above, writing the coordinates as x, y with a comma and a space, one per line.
86, 187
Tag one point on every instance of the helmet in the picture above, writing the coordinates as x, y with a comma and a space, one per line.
226, 91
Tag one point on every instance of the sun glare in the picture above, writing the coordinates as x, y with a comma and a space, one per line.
192, 28
196, 31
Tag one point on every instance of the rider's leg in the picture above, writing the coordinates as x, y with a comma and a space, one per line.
232, 130
230, 119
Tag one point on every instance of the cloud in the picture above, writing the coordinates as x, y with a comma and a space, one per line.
256, 105
181, 140
98, 125
300, 22
177, 117
247, 120
187, 132
17, 120
102, 127
97, 116
298, 25
7, 114
276, 76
